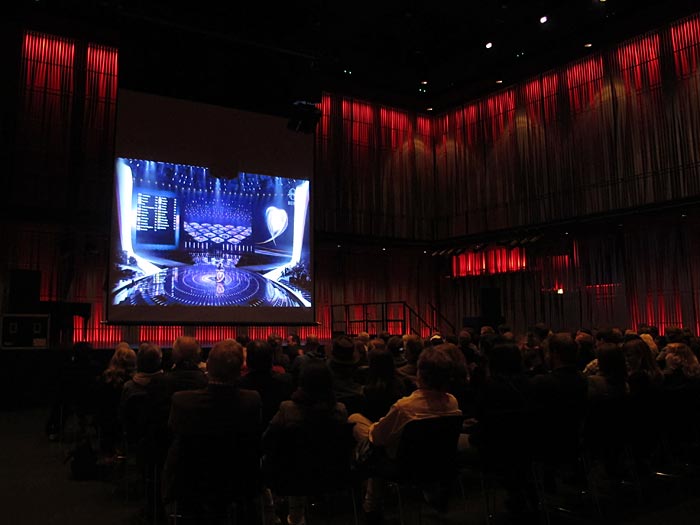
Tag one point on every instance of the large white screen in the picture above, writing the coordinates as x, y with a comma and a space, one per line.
211, 216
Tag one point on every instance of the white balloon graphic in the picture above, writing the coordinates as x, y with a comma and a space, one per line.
277, 222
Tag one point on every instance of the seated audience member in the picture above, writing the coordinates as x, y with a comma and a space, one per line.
384, 336
413, 346
144, 404
395, 347
559, 401
383, 386
144, 408
186, 373
645, 380
363, 339
272, 387
430, 400
503, 410
436, 339
343, 367
541, 332
108, 394
586, 349
644, 376
459, 385
311, 351
611, 379
682, 370
312, 408
215, 452
293, 348
279, 358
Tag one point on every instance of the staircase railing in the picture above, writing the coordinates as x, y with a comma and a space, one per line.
395, 317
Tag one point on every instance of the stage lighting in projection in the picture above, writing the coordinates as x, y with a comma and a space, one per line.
277, 221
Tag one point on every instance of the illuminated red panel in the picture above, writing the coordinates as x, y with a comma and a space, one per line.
584, 82
489, 262
397, 125
101, 81
540, 102
639, 63
360, 117
685, 38
50, 62
499, 110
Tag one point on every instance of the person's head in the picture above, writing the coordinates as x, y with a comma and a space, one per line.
503, 328
487, 330
464, 339
259, 356
225, 361
674, 334
149, 358
384, 335
376, 343
186, 350
315, 385
505, 360
434, 369
293, 339
679, 357
639, 357
413, 346
612, 364
395, 346
381, 367
436, 339
586, 343
364, 337
459, 363
649, 340
561, 350
343, 351
609, 334
274, 340
123, 361
312, 343
541, 331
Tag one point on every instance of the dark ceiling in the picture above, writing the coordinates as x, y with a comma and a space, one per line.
265, 55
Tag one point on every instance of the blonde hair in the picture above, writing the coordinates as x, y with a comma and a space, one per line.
649, 340
121, 365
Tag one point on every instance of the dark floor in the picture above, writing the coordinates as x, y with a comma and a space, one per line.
36, 488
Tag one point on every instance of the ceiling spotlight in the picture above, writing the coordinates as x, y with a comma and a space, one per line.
489, 45
543, 20
428, 109
587, 44
424, 82
499, 82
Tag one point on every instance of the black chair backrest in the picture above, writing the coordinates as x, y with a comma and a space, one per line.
313, 459
427, 449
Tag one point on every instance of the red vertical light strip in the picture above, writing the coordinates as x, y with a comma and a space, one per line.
51, 61
101, 80
492, 261
498, 114
639, 63
685, 39
584, 82
397, 124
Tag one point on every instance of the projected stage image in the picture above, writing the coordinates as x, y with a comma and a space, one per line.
190, 247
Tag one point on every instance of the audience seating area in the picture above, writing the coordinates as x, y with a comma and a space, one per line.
541, 440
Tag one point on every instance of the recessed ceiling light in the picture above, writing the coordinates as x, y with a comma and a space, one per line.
428, 109
424, 82
489, 45
588, 44
543, 20
499, 82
